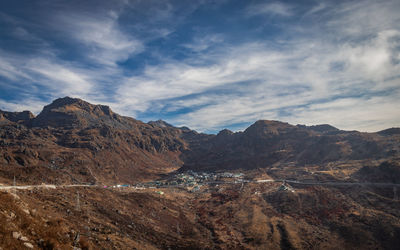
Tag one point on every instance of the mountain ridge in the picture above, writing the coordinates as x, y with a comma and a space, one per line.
109, 144
70, 105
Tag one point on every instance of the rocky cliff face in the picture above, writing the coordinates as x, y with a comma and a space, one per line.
74, 141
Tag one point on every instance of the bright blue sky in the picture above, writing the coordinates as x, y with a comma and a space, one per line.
207, 65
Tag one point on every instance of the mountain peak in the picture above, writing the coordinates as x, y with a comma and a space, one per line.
69, 104
65, 101
225, 132
160, 123
271, 123
74, 112
267, 127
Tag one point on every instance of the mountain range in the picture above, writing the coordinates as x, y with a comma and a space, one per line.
73, 141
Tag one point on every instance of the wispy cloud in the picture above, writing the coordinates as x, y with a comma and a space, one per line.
45, 75
360, 19
8, 69
31, 104
103, 38
204, 41
365, 114
317, 8
65, 79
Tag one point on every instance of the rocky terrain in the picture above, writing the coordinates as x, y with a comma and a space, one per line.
253, 216
342, 194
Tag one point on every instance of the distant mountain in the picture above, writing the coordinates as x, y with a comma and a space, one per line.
390, 131
74, 141
266, 143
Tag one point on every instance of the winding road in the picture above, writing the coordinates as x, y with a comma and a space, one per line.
49, 186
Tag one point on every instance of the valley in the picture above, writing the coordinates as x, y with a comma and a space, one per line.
80, 176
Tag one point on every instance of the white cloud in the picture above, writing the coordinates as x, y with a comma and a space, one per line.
373, 59
106, 43
364, 114
31, 104
357, 19
9, 70
204, 42
63, 79
315, 9
45, 74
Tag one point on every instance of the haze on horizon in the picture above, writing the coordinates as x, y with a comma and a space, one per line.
207, 65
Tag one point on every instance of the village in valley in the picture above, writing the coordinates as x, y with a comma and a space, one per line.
193, 181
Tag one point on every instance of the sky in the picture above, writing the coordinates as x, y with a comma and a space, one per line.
207, 65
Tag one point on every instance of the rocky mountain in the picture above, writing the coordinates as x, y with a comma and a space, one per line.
267, 143
74, 141
72, 113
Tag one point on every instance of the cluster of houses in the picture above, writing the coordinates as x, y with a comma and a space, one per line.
191, 180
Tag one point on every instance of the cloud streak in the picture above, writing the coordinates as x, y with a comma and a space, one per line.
105, 42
